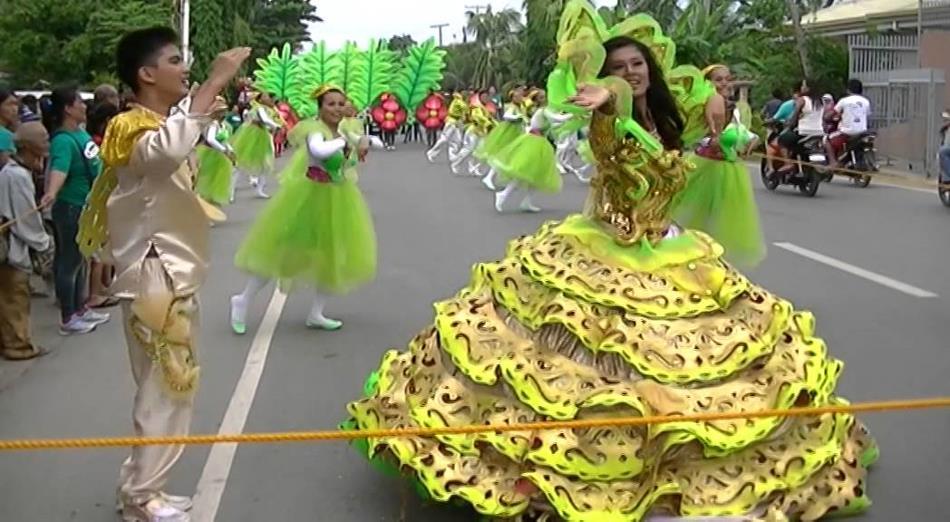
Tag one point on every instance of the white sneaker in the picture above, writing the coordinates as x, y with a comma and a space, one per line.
156, 510
430, 156
254, 180
94, 317
181, 503
76, 326
488, 183
261, 194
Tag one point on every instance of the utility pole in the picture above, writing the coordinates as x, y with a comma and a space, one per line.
920, 31
186, 30
439, 28
476, 10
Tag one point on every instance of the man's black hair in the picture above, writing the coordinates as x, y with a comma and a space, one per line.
140, 48
855, 86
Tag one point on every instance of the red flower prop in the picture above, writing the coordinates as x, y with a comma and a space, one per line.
432, 112
389, 115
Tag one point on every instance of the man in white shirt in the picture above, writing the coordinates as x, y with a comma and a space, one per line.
854, 110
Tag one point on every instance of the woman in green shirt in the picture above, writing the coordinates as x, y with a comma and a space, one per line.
73, 166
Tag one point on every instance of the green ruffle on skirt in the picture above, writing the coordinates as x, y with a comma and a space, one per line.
501, 137
214, 176
530, 161
718, 200
253, 150
314, 234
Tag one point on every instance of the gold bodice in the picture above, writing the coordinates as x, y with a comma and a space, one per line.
633, 189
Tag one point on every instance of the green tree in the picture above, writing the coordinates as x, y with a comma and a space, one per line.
401, 44
538, 48
51, 41
493, 33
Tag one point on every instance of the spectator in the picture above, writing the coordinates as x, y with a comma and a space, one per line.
106, 93
73, 166
945, 147
29, 109
9, 119
26, 234
771, 106
101, 274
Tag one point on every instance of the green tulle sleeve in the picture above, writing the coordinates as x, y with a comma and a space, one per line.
718, 199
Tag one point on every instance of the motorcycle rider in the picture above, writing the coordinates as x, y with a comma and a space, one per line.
944, 151
854, 110
806, 121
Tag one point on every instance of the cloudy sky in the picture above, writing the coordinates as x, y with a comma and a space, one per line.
361, 20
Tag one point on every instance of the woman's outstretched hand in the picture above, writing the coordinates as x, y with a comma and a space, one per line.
591, 97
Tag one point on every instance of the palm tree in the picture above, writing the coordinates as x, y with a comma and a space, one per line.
492, 32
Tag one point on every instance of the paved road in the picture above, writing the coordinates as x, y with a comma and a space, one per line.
881, 250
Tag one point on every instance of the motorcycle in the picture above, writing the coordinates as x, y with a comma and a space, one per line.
859, 155
802, 174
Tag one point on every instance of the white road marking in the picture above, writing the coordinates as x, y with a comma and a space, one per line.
214, 477
858, 271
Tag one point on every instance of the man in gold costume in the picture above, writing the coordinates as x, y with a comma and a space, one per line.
144, 214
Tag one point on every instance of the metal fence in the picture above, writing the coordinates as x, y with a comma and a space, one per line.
905, 112
906, 101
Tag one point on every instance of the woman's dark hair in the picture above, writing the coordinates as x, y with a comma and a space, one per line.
813, 91
99, 118
660, 101
4, 94
55, 113
140, 48
778, 94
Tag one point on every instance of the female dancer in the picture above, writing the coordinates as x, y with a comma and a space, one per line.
317, 231
528, 164
253, 144
215, 182
614, 313
718, 197
514, 119
478, 123
452, 133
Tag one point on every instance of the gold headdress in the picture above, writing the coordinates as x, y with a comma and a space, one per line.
325, 88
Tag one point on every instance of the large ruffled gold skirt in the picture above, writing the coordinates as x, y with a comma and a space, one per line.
569, 325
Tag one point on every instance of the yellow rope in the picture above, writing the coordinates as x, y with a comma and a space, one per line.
339, 435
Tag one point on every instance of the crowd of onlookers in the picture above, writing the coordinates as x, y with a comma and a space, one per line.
49, 156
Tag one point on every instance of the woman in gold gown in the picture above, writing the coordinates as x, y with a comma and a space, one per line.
619, 312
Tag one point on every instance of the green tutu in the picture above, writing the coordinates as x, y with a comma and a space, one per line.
313, 234
253, 150
214, 176
718, 200
530, 161
502, 136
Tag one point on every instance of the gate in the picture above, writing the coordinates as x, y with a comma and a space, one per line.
906, 101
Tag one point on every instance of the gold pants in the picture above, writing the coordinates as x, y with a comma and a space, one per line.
159, 331
15, 313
